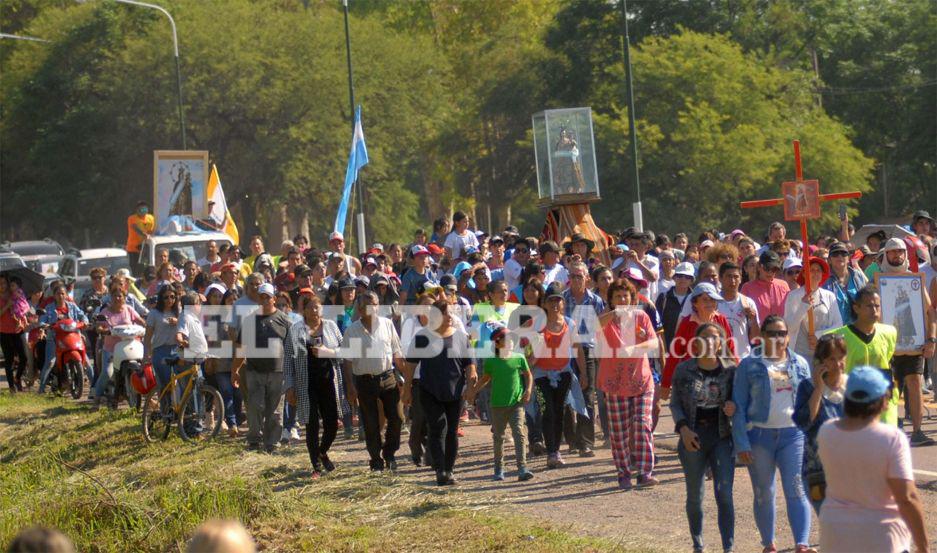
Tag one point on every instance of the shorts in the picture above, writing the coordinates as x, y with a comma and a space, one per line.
906, 365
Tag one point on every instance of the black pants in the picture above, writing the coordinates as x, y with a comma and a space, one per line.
12, 345
443, 420
136, 268
554, 399
322, 402
579, 430
418, 428
370, 390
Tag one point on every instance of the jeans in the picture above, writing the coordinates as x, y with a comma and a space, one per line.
554, 400
263, 407
715, 453
12, 345
501, 417
535, 421
579, 430
47, 362
443, 420
160, 367
603, 412
105, 374
370, 390
322, 402
233, 413
779, 449
289, 417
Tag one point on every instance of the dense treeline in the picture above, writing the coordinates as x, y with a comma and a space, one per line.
448, 88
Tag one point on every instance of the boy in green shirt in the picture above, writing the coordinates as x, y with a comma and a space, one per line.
511, 386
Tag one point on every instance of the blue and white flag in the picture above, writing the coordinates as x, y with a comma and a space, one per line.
357, 158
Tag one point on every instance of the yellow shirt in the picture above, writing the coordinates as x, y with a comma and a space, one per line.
146, 223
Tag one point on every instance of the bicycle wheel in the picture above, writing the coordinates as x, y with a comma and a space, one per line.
156, 423
202, 417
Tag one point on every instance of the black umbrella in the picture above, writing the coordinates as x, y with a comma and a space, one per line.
32, 281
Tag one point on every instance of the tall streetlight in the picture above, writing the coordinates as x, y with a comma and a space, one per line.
629, 91
175, 45
22, 37
362, 243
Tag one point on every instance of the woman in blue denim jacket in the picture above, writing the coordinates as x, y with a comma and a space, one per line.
766, 438
702, 408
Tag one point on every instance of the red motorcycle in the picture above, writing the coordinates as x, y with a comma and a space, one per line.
67, 373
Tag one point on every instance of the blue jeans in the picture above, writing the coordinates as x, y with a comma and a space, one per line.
47, 363
289, 416
779, 449
715, 453
105, 374
233, 414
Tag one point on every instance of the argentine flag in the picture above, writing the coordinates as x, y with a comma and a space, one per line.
357, 158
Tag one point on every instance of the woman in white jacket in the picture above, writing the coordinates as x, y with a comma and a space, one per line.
826, 313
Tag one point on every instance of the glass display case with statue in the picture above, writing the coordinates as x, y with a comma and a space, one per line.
565, 155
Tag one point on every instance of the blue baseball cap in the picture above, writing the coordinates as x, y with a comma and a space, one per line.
866, 384
705, 288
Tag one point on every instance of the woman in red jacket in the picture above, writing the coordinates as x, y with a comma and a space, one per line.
703, 299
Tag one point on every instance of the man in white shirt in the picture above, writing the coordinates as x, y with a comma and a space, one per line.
636, 257
460, 238
550, 256
369, 349
738, 309
514, 266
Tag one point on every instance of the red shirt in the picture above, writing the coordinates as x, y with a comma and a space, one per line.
686, 331
625, 376
555, 351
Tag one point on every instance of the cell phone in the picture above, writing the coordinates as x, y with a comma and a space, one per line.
316, 341
842, 212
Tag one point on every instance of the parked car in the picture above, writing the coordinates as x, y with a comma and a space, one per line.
42, 256
181, 246
10, 260
77, 265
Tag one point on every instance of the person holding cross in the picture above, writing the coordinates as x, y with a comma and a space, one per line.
140, 225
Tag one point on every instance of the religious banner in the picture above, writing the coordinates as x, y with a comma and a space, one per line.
179, 185
903, 308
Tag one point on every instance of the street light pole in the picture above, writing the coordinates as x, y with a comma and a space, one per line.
629, 91
175, 44
362, 242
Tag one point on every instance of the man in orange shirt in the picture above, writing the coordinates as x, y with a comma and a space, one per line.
139, 225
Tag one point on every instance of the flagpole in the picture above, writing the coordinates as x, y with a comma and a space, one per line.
362, 242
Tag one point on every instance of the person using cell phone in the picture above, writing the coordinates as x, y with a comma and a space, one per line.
818, 400
702, 407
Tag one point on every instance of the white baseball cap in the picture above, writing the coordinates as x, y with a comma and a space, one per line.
791, 262
336, 236
686, 269
268, 289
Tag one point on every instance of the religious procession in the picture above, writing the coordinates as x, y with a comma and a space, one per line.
607, 340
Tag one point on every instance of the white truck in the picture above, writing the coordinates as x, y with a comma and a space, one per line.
188, 246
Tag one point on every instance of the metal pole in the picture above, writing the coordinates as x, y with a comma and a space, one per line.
175, 45
22, 37
629, 91
362, 242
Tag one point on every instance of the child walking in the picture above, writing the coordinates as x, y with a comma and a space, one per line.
511, 386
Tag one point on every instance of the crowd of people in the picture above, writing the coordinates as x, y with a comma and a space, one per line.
769, 353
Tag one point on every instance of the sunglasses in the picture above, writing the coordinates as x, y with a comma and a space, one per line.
775, 333
521, 250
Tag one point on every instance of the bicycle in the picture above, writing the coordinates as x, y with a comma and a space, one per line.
203, 409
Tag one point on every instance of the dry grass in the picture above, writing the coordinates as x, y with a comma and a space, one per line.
92, 476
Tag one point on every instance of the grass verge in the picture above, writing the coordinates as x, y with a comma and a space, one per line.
92, 476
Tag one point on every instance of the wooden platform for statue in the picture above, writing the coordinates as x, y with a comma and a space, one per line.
567, 199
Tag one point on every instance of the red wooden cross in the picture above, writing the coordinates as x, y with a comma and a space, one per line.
801, 200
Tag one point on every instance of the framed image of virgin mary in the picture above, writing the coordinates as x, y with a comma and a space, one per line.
179, 184
903, 307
